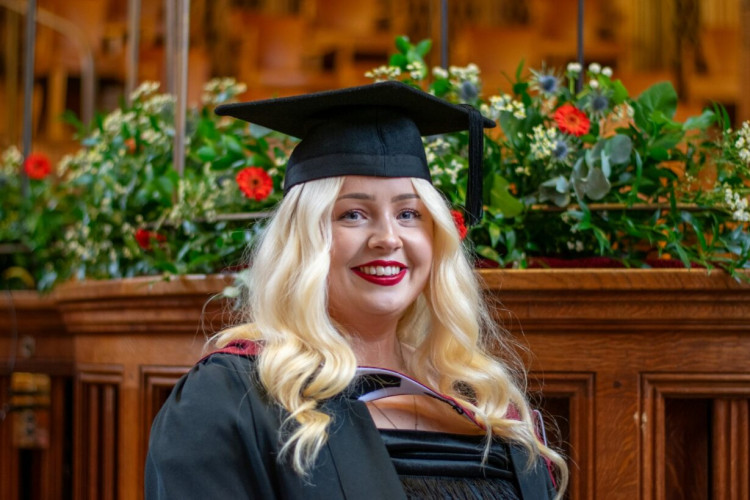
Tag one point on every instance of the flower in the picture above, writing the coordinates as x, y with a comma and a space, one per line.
255, 183
458, 220
37, 166
545, 81
144, 238
572, 120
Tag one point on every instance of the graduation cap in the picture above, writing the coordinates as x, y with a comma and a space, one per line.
374, 130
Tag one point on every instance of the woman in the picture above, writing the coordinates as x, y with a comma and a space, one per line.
360, 288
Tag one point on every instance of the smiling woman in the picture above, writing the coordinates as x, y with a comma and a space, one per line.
359, 288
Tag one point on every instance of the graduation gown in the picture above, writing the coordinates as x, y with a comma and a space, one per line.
217, 436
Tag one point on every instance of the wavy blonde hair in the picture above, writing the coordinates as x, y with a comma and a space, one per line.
306, 358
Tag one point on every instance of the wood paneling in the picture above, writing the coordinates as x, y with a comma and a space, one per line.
97, 431
644, 371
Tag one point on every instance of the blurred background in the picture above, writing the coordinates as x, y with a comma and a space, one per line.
281, 47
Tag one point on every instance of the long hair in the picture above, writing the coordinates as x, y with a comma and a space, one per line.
306, 358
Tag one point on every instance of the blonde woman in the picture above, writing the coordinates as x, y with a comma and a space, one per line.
363, 368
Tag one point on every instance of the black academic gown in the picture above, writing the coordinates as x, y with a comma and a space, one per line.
217, 437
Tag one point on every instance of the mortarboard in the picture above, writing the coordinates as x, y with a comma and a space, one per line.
373, 130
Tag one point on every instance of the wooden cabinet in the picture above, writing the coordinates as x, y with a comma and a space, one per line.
644, 372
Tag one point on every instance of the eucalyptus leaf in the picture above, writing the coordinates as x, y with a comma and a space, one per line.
619, 148
597, 185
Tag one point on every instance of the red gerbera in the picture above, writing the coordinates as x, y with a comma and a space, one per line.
144, 238
37, 166
572, 120
458, 219
255, 183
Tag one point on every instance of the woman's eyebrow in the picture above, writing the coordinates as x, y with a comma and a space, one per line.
355, 196
364, 196
406, 196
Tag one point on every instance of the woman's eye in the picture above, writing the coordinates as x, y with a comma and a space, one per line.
351, 215
409, 214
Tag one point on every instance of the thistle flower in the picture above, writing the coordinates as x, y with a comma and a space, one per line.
545, 81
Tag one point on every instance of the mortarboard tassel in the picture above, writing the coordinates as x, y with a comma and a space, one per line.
474, 188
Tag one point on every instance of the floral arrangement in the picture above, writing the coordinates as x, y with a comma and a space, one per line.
591, 176
573, 176
30, 218
128, 212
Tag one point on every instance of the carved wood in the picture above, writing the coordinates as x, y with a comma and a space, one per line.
156, 384
602, 344
729, 453
97, 440
572, 423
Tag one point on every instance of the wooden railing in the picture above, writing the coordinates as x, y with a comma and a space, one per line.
644, 373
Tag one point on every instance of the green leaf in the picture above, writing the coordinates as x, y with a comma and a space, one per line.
398, 60
620, 93
619, 148
501, 200
206, 153
701, 122
403, 44
494, 232
424, 47
659, 97
597, 184
489, 253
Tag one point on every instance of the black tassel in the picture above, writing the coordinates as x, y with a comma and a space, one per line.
474, 188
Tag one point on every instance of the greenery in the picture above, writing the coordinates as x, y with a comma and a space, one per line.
128, 212
595, 172
570, 175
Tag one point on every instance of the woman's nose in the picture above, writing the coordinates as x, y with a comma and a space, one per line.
385, 236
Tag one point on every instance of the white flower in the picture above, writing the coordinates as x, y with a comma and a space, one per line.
439, 72
574, 67
143, 90
595, 68
384, 73
594, 84
542, 142
607, 71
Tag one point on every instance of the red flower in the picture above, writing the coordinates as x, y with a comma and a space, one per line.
458, 219
144, 238
572, 120
130, 145
255, 183
37, 166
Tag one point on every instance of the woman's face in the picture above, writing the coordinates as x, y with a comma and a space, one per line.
381, 254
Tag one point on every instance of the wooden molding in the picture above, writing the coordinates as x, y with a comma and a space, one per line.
156, 384
96, 438
729, 455
577, 389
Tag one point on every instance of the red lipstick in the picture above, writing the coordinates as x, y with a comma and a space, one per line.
381, 280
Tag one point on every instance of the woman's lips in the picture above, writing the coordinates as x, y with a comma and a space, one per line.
383, 273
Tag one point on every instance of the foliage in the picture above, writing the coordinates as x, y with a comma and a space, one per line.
592, 172
129, 211
30, 220
569, 174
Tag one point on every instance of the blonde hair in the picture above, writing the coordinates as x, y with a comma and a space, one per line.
307, 359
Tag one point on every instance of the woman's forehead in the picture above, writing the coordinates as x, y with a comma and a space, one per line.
368, 184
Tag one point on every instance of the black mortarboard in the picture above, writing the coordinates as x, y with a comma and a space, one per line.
371, 130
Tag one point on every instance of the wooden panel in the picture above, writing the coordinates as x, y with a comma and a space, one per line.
731, 466
622, 354
729, 453
96, 444
156, 384
568, 399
